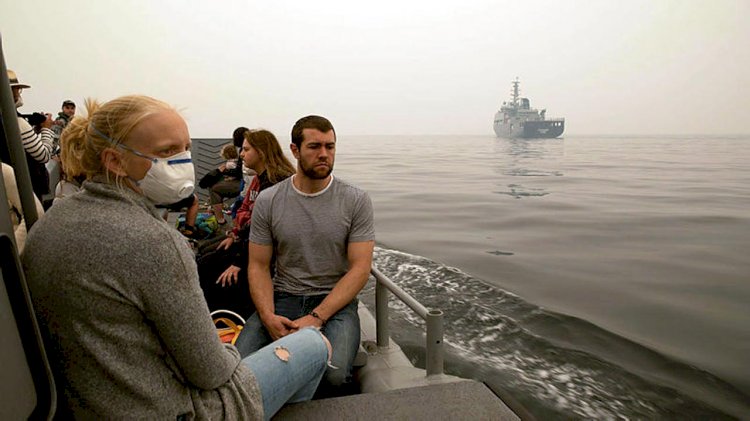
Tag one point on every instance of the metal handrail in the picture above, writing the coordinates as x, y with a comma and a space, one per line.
433, 319
15, 147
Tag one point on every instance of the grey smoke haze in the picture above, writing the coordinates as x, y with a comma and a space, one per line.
394, 67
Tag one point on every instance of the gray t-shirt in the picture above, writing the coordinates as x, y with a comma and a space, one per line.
310, 233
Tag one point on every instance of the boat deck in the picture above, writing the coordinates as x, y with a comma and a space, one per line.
393, 389
465, 400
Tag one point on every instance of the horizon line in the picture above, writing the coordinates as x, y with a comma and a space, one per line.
710, 135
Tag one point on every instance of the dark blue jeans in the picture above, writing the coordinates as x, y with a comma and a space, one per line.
342, 330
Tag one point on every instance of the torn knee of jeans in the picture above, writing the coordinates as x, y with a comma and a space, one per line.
282, 353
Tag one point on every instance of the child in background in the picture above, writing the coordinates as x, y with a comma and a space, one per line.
228, 185
229, 152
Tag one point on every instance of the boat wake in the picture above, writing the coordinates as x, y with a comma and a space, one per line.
554, 365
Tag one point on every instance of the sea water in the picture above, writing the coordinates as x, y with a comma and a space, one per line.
586, 277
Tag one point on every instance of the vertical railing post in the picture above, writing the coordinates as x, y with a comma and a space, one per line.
15, 148
433, 318
434, 344
381, 314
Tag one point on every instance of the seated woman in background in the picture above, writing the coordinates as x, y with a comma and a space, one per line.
116, 288
222, 263
228, 186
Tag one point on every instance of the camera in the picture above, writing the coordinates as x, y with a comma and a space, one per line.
34, 119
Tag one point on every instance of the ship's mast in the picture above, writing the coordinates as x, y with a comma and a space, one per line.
514, 91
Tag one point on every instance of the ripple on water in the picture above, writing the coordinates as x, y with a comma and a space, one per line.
496, 330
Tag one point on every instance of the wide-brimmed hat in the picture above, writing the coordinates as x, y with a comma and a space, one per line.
14, 83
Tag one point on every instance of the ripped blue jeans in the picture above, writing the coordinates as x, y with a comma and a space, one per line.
342, 330
289, 370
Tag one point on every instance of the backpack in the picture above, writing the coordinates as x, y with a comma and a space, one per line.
204, 222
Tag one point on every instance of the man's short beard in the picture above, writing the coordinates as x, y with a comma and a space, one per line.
312, 174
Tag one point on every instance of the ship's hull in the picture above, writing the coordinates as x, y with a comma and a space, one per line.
541, 129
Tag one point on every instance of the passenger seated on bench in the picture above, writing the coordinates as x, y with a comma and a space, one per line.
229, 185
229, 152
116, 289
14, 206
321, 233
222, 263
238, 137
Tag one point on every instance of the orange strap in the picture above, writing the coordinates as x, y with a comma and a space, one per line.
230, 332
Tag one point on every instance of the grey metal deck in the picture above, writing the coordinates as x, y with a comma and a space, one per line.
393, 389
466, 400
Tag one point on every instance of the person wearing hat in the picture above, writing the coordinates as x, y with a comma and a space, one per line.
64, 117
38, 146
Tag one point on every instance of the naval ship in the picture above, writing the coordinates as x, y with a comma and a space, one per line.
516, 119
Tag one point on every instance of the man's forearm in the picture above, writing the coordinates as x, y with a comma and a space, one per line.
261, 291
344, 292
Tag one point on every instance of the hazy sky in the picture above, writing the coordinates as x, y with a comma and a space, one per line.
394, 67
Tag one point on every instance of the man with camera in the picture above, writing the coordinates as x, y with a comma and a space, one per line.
37, 138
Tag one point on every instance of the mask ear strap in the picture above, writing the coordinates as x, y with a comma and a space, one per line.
117, 144
107, 138
121, 145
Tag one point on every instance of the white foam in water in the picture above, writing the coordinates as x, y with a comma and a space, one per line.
478, 330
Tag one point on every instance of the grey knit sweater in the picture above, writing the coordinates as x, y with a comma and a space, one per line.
116, 290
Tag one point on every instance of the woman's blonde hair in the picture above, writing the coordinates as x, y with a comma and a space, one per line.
85, 137
229, 152
277, 165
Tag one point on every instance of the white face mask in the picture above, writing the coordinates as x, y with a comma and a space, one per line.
169, 180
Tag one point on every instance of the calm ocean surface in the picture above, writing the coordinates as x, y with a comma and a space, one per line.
587, 277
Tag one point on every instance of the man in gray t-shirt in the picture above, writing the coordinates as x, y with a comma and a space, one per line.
319, 230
